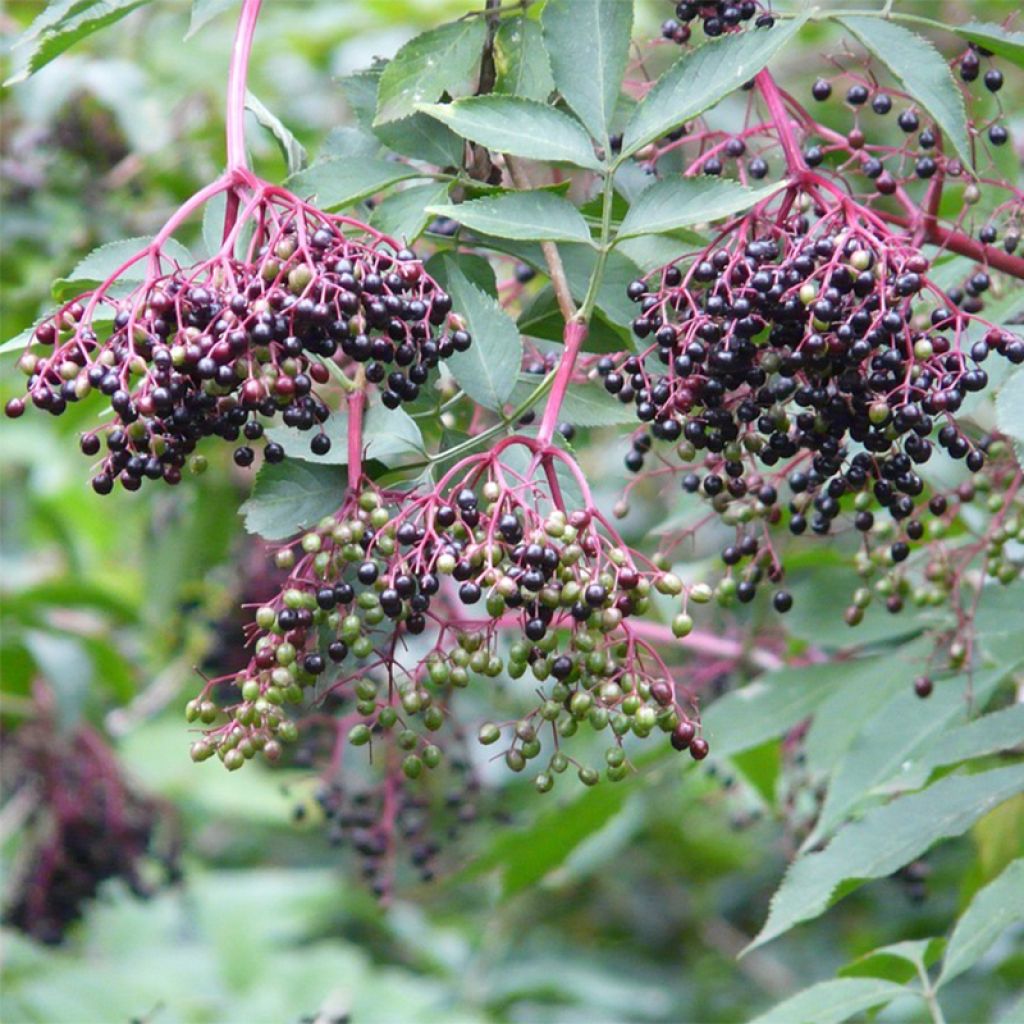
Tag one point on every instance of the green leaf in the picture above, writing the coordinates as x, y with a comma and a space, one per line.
1002, 42
993, 909
883, 841
830, 1002
347, 140
422, 138
519, 127
389, 435
292, 150
891, 737
342, 182
443, 60
204, 11
778, 700
922, 71
406, 214
524, 216
680, 202
487, 372
54, 31
855, 699
698, 80
521, 62
585, 405
526, 856
652, 252
588, 45
990, 734
291, 496
103, 261
898, 962
1010, 410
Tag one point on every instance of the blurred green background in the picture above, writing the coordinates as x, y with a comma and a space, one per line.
114, 603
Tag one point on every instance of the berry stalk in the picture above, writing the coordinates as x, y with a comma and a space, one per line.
574, 336
238, 74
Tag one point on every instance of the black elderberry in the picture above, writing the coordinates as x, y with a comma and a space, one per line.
821, 90
993, 80
857, 95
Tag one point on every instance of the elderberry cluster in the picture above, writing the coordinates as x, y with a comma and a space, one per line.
715, 18
920, 155
460, 567
218, 348
88, 826
372, 817
824, 348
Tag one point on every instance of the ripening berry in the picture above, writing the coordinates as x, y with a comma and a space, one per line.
821, 90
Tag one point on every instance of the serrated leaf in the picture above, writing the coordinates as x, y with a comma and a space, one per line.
406, 214
204, 11
681, 202
519, 127
698, 80
52, 35
893, 735
292, 150
585, 405
520, 60
830, 1002
342, 182
443, 60
921, 70
884, 840
525, 216
1002, 42
990, 734
422, 138
778, 700
588, 45
994, 909
1010, 411
105, 260
487, 372
291, 496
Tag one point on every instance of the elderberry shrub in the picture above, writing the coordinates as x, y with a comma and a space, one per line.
87, 826
218, 348
460, 567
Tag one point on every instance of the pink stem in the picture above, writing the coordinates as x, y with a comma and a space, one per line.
575, 333
356, 405
238, 74
777, 108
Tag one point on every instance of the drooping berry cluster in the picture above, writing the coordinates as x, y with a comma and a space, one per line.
219, 347
86, 826
557, 590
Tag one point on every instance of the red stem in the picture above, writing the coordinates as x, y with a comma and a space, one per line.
964, 245
777, 108
574, 336
356, 406
238, 74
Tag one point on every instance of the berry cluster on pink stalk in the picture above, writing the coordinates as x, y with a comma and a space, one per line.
219, 347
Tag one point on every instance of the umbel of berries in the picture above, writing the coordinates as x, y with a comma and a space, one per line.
295, 302
496, 576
